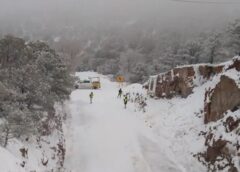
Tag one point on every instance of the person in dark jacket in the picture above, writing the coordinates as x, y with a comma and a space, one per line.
120, 93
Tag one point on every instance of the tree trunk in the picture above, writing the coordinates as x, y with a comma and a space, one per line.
6, 137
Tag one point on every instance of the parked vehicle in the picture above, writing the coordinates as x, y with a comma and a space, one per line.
83, 84
91, 83
96, 84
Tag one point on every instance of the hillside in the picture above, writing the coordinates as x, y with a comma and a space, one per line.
172, 134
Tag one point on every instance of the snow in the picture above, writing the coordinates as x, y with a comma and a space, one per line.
198, 79
196, 66
152, 80
105, 137
233, 74
11, 163
39, 150
135, 88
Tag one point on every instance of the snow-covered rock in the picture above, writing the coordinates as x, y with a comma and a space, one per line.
181, 80
224, 96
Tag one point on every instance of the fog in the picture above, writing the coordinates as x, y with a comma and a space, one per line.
159, 14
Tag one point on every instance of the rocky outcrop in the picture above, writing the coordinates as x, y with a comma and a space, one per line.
221, 107
207, 71
180, 81
225, 96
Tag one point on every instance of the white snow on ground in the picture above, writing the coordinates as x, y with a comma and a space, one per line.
105, 137
9, 163
11, 159
38, 152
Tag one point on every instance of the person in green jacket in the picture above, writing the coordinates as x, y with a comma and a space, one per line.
91, 97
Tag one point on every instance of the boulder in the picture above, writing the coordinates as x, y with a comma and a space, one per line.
178, 81
206, 71
225, 96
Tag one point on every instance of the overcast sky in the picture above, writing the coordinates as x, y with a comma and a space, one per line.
166, 13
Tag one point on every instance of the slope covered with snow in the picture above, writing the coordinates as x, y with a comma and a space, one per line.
34, 154
106, 137
9, 162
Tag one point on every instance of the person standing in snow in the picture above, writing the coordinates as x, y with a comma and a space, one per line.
120, 93
91, 97
125, 101
142, 105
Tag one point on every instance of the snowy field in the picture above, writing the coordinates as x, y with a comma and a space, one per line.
105, 137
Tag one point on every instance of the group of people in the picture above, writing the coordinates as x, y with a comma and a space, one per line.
125, 101
138, 99
125, 97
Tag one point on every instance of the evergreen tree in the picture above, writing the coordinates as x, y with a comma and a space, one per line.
234, 31
33, 78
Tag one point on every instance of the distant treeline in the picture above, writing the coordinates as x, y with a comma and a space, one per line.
146, 53
138, 49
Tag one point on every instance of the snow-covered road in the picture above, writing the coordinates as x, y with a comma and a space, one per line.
105, 137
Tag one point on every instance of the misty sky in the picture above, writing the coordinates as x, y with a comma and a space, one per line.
163, 13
